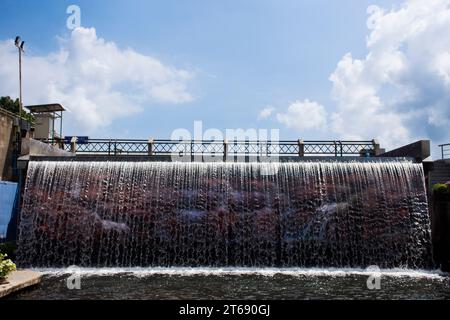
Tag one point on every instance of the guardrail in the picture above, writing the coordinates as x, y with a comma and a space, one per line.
223, 148
445, 150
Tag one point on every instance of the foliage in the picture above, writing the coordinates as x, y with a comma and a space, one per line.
6, 266
9, 248
13, 106
10, 105
441, 188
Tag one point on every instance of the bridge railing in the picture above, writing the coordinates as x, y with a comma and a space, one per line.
336, 148
445, 150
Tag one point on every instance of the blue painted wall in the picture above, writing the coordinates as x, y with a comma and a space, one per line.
8, 195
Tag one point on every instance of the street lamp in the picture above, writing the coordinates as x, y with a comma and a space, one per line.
19, 44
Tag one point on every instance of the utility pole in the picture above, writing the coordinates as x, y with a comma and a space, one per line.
19, 44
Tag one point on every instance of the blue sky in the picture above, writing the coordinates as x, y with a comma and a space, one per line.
235, 58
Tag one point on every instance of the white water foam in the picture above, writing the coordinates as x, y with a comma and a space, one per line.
266, 272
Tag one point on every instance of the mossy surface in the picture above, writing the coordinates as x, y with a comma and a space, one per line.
441, 188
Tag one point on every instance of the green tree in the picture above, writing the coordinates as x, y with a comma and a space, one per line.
10, 105
13, 106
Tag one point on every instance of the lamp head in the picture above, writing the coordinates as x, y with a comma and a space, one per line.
17, 41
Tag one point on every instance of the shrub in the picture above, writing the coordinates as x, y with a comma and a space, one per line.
13, 106
6, 266
441, 188
9, 248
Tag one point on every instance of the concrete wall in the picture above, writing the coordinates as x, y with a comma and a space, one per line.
44, 126
440, 172
418, 150
440, 224
32, 147
6, 138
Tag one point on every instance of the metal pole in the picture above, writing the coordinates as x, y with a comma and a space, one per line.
225, 150
53, 126
19, 44
20, 89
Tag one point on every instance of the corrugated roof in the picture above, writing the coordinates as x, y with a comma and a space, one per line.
40, 108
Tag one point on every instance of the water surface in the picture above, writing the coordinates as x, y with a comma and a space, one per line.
228, 283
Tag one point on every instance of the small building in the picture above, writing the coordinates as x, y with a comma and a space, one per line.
45, 115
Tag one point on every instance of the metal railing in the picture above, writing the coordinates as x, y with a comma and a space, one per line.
445, 150
223, 148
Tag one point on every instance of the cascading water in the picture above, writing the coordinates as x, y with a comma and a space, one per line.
298, 214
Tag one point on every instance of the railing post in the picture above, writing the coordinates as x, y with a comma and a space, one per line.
225, 150
376, 147
335, 148
115, 146
340, 148
150, 144
301, 148
73, 144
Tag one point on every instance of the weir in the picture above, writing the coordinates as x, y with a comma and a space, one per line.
285, 214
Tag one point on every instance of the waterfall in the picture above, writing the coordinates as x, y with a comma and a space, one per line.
296, 214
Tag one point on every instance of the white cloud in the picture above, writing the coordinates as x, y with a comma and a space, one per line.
401, 90
93, 78
265, 113
303, 115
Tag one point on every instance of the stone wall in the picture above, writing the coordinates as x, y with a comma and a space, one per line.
6, 137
